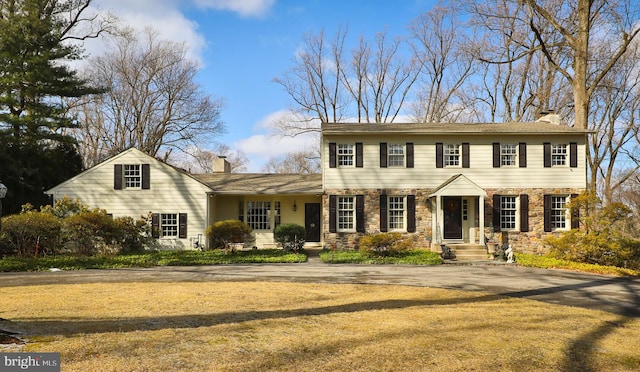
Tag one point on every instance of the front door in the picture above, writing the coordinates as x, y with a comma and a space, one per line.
452, 217
312, 221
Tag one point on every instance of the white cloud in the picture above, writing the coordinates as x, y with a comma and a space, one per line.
246, 8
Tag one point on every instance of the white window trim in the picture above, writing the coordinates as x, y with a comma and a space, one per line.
390, 155
351, 155
353, 210
176, 225
446, 155
249, 215
567, 214
404, 213
564, 154
503, 154
516, 211
125, 176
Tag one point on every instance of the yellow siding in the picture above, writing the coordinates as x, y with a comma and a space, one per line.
481, 171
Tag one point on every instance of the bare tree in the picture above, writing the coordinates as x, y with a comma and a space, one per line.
201, 161
304, 162
152, 101
438, 43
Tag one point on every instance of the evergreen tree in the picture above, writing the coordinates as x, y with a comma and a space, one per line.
36, 44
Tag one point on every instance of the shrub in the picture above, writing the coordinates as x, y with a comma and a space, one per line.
384, 244
222, 233
290, 235
22, 232
132, 236
90, 232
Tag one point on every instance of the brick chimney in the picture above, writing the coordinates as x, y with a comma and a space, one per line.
549, 117
221, 165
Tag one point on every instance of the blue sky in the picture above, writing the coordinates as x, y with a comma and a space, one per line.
244, 44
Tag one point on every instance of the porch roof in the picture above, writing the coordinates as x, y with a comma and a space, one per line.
458, 185
262, 183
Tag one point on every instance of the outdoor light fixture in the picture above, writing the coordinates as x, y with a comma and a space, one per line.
3, 193
295, 207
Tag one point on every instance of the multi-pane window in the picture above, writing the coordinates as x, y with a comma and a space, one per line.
346, 213
508, 154
132, 176
451, 155
558, 212
558, 155
345, 155
276, 217
169, 224
259, 215
508, 209
396, 212
396, 155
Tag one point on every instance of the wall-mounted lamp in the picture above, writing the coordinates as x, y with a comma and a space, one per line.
3, 193
295, 207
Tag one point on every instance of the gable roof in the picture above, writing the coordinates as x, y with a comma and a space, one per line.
525, 128
262, 183
458, 185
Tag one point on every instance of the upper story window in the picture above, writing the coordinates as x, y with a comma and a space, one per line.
558, 155
132, 176
508, 154
451, 155
345, 155
396, 155
346, 209
396, 212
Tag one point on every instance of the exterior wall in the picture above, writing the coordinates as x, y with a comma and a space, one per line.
533, 240
170, 192
226, 207
426, 175
349, 240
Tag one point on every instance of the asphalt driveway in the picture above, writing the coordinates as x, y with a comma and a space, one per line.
616, 295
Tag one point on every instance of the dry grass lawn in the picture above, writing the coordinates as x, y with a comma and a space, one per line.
306, 327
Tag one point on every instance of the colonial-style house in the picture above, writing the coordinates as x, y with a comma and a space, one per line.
454, 185
181, 205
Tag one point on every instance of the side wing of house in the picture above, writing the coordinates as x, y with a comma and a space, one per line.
451, 183
136, 185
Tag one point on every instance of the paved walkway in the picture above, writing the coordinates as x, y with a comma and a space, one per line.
615, 295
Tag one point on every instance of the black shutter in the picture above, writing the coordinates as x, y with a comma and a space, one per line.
496, 155
383, 213
360, 213
496, 212
465, 155
383, 154
411, 213
547, 213
547, 154
117, 176
573, 155
182, 225
145, 176
155, 225
522, 154
439, 155
358, 154
332, 154
524, 212
575, 212
333, 213
409, 154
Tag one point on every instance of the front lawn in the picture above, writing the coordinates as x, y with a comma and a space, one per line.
150, 259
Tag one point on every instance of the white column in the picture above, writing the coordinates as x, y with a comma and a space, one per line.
481, 219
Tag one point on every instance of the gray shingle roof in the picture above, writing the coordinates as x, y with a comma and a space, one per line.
537, 127
262, 183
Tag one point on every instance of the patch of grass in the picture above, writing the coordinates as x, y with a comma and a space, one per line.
544, 262
160, 258
410, 257
263, 326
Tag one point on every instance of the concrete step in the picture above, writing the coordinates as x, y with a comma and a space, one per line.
469, 252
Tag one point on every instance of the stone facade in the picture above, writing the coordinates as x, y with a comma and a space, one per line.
523, 242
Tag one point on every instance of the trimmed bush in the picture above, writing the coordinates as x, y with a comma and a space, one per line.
222, 233
384, 244
89, 233
290, 235
22, 232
